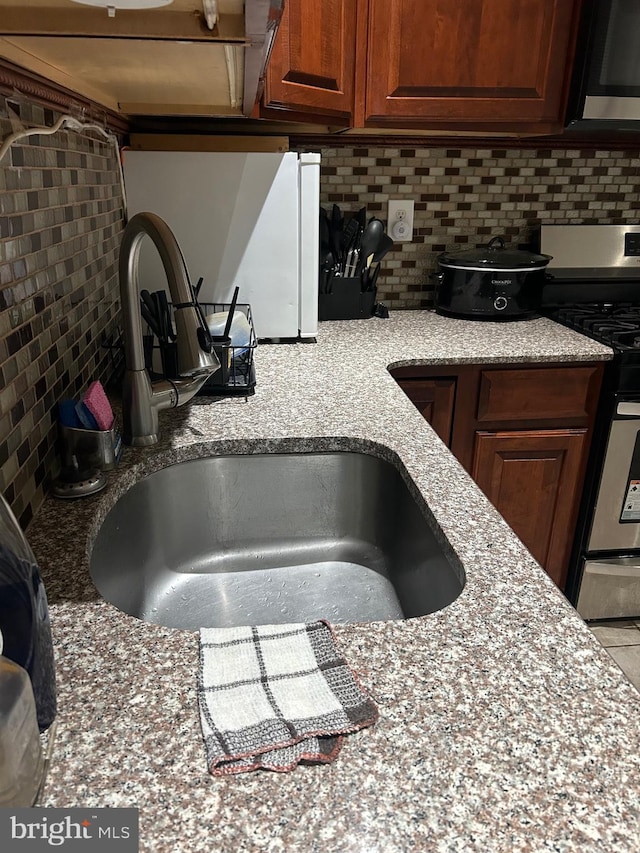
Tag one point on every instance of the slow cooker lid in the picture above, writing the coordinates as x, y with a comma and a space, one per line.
494, 256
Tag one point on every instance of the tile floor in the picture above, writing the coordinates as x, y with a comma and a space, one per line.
622, 641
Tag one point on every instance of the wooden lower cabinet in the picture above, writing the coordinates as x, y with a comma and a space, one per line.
533, 480
523, 433
434, 400
537, 394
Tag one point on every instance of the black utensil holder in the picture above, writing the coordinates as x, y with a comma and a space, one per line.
168, 357
345, 300
236, 374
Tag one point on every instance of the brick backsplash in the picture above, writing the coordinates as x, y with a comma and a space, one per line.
61, 217
465, 196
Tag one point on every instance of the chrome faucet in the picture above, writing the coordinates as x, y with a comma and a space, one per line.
142, 399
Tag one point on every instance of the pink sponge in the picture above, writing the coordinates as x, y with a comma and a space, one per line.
96, 401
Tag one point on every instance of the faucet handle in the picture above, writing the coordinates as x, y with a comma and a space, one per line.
204, 339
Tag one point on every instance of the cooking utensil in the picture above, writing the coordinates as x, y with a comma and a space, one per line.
164, 313
204, 336
370, 243
326, 271
336, 232
150, 303
350, 233
361, 219
325, 231
157, 313
352, 263
373, 278
232, 311
150, 319
370, 276
385, 245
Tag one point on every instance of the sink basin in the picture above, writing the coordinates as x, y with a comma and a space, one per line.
272, 538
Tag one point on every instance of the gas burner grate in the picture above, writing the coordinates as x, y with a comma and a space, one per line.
626, 340
616, 325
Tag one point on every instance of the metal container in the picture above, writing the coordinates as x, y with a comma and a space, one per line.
89, 449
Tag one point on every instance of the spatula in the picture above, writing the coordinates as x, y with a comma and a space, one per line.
370, 243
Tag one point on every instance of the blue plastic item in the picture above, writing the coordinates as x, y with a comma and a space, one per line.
24, 615
86, 418
67, 414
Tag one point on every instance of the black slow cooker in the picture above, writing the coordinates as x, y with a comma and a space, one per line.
490, 283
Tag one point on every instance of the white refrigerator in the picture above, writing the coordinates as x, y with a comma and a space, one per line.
242, 219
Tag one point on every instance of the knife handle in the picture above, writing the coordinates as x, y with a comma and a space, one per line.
374, 278
149, 319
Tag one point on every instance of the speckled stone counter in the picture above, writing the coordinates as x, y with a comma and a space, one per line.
504, 726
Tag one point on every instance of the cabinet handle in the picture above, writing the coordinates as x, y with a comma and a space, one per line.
628, 409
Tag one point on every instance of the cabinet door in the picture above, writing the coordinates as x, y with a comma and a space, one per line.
469, 63
434, 400
534, 480
311, 68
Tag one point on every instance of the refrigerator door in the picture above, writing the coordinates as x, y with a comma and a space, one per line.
237, 218
309, 244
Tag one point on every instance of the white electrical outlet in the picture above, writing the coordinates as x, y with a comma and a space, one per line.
400, 220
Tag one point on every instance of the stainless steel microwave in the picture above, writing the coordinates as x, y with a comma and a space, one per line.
606, 83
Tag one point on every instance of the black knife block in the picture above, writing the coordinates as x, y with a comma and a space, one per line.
345, 300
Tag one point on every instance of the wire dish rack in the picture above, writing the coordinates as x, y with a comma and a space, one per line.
236, 375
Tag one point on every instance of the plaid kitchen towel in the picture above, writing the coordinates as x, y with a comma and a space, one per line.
273, 696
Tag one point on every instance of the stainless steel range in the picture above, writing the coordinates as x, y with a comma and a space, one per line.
594, 287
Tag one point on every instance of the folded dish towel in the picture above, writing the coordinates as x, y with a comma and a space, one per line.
276, 695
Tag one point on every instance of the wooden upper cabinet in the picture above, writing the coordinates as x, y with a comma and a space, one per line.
312, 64
471, 64
468, 65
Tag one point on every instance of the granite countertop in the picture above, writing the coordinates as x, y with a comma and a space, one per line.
504, 726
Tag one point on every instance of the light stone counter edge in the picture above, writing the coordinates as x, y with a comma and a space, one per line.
504, 725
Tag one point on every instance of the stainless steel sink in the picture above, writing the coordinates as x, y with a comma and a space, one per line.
272, 538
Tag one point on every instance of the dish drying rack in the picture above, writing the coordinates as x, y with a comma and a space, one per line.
236, 374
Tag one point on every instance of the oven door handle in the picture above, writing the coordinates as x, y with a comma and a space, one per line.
630, 409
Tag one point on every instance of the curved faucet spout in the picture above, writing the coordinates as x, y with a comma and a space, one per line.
142, 399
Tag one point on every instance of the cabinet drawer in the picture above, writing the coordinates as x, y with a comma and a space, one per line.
559, 394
